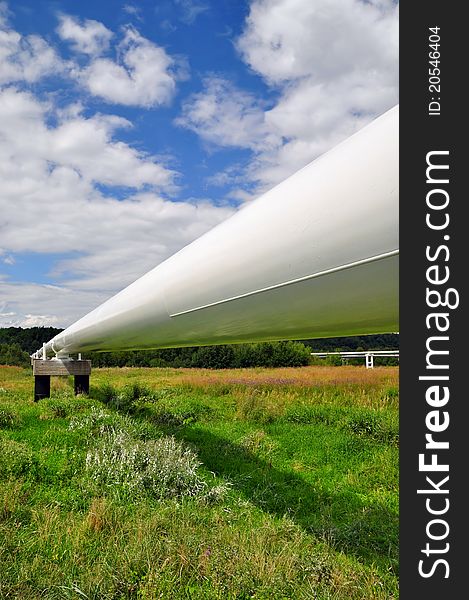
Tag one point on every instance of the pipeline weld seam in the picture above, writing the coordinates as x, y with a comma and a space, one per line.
351, 265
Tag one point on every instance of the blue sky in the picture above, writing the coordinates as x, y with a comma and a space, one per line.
128, 129
202, 36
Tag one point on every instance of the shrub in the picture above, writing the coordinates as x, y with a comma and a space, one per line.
55, 408
100, 422
391, 395
216, 493
92, 422
12, 354
272, 354
213, 357
313, 414
63, 405
173, 419
379, 427
333, 360
127, 400
16, 459
162, 468
265, 354
8, 419
258, 443
105, 393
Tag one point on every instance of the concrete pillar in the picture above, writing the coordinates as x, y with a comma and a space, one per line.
41, 387
82, 384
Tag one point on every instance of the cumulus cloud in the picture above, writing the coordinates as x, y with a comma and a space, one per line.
71, 187
226, 116
87, 36
36, 305
144, 75
50, 203
325, 39
24, 58
77, 148
334, 64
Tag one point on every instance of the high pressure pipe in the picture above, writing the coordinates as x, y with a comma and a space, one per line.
316, 256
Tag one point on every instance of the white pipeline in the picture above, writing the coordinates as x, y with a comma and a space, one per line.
316, 256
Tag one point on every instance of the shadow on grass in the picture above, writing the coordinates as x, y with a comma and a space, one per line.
341, 517
370, 533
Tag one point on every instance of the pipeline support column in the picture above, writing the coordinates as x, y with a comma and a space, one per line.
82, 384
41, 387
43, 370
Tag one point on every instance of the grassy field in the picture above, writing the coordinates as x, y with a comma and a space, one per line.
165, 483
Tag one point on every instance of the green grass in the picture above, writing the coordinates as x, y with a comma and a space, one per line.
186, 484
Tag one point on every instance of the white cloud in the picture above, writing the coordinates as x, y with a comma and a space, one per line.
144, 75
88, 37
335, 66
53, 162
336, 63
35, 305
133, 10
78, 149
191, 9
226, 116
50, 204
4, 13
325, 39
232, 174
87, 146
134, 236
312, 119
24, 58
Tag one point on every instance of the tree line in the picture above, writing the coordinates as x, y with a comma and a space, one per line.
17, 344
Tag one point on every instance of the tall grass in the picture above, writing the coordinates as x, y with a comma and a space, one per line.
262, 484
